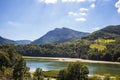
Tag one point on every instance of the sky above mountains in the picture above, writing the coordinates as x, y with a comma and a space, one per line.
30, 19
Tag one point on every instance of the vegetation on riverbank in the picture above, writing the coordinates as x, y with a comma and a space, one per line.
12, 65
74, 71
51, 74
62, 74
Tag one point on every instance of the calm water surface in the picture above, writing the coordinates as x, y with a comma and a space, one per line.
94, 68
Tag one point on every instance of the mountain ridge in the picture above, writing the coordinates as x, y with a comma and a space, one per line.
109, 32
6, 41
59, 35
64, 34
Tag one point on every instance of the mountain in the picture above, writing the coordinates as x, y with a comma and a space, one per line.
59, 35
23, 41
109, 32
8, 41
4, 40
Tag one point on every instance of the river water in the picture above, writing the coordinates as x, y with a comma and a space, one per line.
94, 68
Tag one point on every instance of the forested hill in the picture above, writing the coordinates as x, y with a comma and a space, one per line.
60, 35
109, 32
6, 41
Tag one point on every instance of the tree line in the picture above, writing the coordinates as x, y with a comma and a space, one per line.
13, 67
100, 49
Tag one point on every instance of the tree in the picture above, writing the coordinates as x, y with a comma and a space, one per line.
38, 75
74, 71
62, 74
12, 65
118, 59
19, 70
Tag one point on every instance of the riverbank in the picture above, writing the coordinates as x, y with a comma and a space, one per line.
52, 75
70, 60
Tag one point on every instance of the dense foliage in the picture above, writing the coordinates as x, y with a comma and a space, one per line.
12, 65
38, 74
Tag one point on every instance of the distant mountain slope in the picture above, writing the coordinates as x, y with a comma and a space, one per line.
109, 32
23, 41
59, 35
4, 40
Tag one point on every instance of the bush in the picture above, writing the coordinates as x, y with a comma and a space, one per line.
118, 60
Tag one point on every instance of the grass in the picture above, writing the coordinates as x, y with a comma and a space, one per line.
51, 73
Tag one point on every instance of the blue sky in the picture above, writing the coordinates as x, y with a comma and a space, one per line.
30, 19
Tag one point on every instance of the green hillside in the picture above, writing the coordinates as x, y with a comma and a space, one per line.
109, 32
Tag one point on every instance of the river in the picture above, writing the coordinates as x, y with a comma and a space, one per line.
94, 68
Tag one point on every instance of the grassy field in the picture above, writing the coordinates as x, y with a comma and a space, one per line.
51, 73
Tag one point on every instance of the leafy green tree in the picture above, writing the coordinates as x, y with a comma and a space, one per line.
62, 74
5, 64
74, 71
77, 71
38, 75
19, 70
118, 59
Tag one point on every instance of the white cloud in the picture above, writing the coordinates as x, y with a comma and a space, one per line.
55, 1
77, 14
95, 28
92, 5
72, 13
78, 1
80, 19
73, 0
91, 0
83, 14
117, 5
48, 1
83, 9
13, 23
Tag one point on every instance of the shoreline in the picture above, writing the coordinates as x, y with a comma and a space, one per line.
71, 60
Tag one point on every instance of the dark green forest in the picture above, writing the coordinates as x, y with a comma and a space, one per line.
99, 49
12, 65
